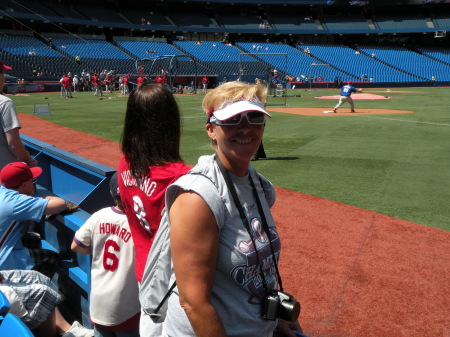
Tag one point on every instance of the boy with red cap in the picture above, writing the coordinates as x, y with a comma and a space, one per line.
17, 206
11, 146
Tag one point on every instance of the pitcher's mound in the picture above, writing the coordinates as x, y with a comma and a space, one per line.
357, 96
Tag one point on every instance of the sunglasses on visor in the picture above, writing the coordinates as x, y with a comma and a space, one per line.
253, 117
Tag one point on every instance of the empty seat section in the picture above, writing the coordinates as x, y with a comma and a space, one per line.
98, 13
355, 64
407, 60
30, 53
242, 21
296, 63
95, 49
144, 50
343, 23
442, 19
220, 56
400, 22
95, 55
189, 18
154, 17
292, 22
26, 45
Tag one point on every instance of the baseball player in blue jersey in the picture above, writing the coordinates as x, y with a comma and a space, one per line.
346, 93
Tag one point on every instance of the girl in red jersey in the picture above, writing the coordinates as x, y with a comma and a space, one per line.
151, 162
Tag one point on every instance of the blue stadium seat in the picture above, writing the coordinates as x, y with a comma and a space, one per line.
13, 326
4, 306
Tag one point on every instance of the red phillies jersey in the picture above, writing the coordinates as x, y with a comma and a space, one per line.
143, 201
66, 82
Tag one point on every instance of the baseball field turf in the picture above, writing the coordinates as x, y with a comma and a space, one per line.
394, 164
367, 262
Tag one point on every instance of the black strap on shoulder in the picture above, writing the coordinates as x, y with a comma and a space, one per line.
266, 227
166, 296
172, 287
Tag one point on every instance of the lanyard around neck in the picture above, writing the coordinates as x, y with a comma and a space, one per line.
244, 219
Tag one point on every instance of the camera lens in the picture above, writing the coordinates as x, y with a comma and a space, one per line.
289, 310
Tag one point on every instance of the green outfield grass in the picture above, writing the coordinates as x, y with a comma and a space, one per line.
395, 164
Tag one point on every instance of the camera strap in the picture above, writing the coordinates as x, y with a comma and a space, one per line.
244, 219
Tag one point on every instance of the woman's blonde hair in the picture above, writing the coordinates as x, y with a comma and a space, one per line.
230, 92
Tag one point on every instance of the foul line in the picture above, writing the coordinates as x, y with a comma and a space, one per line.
404, 120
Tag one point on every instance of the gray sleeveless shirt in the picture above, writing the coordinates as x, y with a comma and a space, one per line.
238, 290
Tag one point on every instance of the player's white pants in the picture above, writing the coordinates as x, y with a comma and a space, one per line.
98, 91
344, 99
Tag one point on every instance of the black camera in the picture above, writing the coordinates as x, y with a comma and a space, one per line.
279, 304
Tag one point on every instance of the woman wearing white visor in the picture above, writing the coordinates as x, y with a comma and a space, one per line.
224, 243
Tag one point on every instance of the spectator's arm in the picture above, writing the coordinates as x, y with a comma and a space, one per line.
55, 205
79, 249
18, 149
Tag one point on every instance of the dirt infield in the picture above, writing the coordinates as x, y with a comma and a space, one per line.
345, 111
357, 273
341, 111
358, 96
399, 91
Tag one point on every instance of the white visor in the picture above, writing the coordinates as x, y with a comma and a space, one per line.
234, 108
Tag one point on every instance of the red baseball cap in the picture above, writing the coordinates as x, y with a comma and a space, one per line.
16, 173
2, 66
349, 82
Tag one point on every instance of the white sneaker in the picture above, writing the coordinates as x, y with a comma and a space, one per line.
77, 330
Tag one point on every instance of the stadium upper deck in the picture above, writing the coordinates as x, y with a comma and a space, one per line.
101, 33
275, 18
